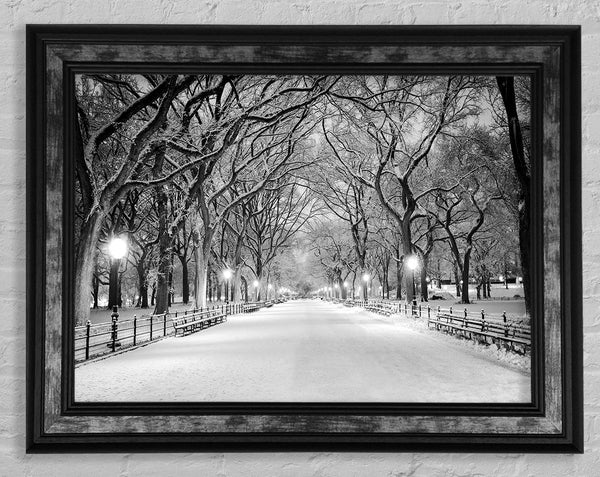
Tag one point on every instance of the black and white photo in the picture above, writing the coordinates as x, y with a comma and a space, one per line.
356, 238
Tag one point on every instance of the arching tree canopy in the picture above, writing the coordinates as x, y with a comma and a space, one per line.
298, 183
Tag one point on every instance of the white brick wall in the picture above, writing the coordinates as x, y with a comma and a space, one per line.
14, 14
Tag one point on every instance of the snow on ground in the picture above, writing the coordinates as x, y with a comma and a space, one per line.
304, 351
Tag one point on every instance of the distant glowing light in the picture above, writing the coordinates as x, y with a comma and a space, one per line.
412, 262
117, 248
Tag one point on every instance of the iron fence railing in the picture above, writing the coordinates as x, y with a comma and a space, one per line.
94, 340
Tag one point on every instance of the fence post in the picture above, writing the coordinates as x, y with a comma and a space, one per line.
165, 325
134, 330
88, 325
150, 327
420, 311
428, 312
505, 323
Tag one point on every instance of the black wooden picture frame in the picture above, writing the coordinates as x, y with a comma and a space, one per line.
552, 422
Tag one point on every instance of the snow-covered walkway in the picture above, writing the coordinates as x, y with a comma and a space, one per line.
304, 351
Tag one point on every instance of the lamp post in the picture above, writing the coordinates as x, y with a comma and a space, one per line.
413, 263
227, 275
117, 248
366, 277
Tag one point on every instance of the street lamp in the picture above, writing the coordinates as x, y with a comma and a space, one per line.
412, 263
227, 275
117, 248
366, 277
255, 289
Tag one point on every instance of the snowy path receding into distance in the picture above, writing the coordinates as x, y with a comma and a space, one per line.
304, 351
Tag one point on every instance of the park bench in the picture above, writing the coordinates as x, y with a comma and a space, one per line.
510, 335
197, 321
268, 304
380, 308
250, 307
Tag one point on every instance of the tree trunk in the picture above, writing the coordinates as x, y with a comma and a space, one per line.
424, 291
506, 85
465, 277
171, 293
200, 280
164, 255
185, 278
236, 285
201, 258
259, 278
96, 289
398, 275
457, 280
84, 265
407, 250
142, 284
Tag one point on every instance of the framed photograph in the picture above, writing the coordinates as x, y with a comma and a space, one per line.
294, 238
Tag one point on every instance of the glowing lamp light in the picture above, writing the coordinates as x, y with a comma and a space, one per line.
345, 284
366, 277
227, 274
255, 283
412, 262
117, 248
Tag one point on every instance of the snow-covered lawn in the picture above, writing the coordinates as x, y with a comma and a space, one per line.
305, 351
